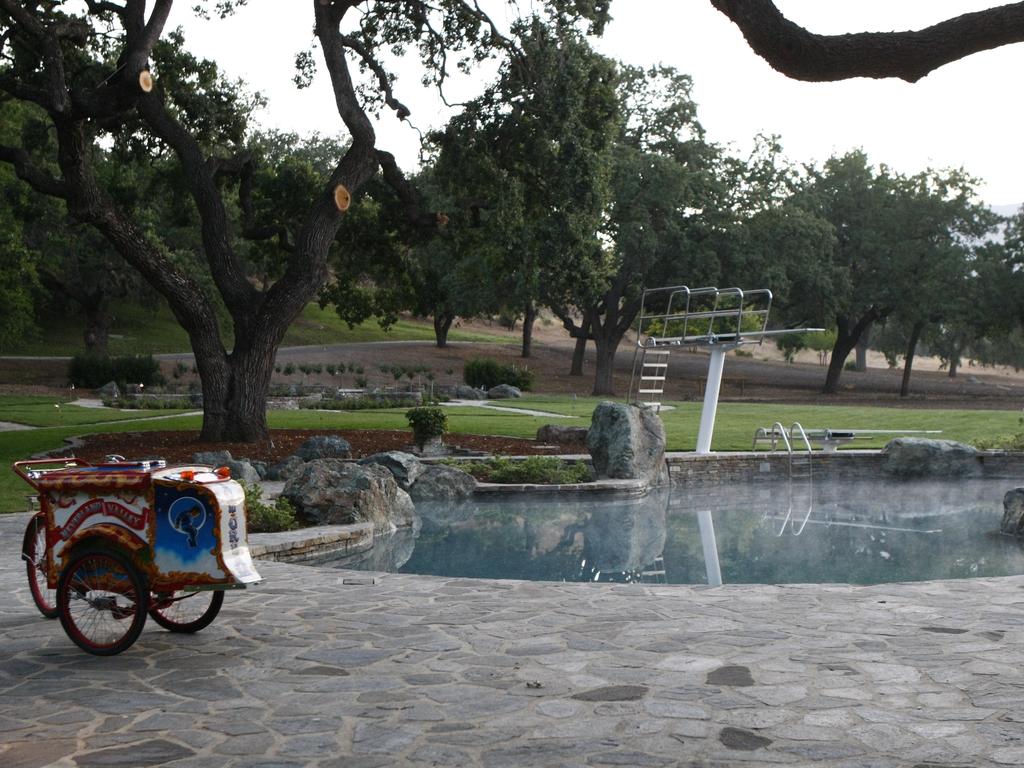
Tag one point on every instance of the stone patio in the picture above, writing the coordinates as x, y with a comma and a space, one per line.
319, 667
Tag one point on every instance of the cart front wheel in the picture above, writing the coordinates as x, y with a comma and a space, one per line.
185, 610
103, 600
33, 550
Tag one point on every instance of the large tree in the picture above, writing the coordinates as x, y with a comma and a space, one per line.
667, 210
95, 72
536, 151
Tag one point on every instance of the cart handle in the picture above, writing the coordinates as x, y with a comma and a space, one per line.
20, 467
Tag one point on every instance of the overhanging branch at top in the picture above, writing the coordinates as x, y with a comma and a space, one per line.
909, 55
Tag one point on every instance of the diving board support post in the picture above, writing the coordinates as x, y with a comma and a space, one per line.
709, 544
710, 409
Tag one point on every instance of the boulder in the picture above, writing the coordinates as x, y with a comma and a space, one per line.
285, 468
324, 447
336, 492
1013, 513
109, 391
562, 435
503, 392
466, 392
404, 467
909, 457
212, 458
438, 482
240, 468
627, 442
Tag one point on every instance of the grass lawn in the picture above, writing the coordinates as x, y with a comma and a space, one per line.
142, 330
49, 412
733, 431
736, 422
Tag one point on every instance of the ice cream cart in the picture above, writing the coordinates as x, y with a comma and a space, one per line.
116, 541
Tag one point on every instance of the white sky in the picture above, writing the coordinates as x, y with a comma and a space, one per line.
964, 114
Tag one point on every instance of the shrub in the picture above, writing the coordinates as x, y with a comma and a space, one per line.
850, 365
361, 403
533, 469
484, 373
427, 423
1014, 442
91, 372
263, 517
289, 369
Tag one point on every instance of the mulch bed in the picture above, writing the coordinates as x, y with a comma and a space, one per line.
177, 447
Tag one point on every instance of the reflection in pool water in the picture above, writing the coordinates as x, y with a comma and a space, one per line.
859, 533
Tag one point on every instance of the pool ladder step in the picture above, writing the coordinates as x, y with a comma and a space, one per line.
649, 376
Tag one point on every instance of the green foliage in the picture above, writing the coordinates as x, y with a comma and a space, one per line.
547, 470
263, 517
484, 373
1014, 442
147, 403
92, 372
360, 403
427, 423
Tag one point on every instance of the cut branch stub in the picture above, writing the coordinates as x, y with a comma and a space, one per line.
145, 81
342, 198
442, 220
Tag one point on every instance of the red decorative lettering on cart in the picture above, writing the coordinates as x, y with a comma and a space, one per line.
129, 517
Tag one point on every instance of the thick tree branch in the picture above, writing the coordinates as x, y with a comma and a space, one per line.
58, 99
102, 6
328, 17
226, 268
909, 55
36, 178
406, 192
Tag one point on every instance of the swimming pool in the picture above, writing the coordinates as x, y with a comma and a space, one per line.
857, 533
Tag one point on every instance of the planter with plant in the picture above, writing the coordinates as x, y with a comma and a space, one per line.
428, 425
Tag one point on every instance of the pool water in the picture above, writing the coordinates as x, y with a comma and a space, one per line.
864, 533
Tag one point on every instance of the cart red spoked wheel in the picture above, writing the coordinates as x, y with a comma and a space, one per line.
103, 601
185, 610
33, 551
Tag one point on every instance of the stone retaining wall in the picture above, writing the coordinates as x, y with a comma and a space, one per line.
312, 545
759, 467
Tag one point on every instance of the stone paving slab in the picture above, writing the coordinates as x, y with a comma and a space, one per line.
305, 670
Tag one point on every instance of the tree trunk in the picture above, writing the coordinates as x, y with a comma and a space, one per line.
908, 363
847, 337
954, 363
442, 324
235, 389
529, 316
862, 350
582, 335
604, 383
578, 354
